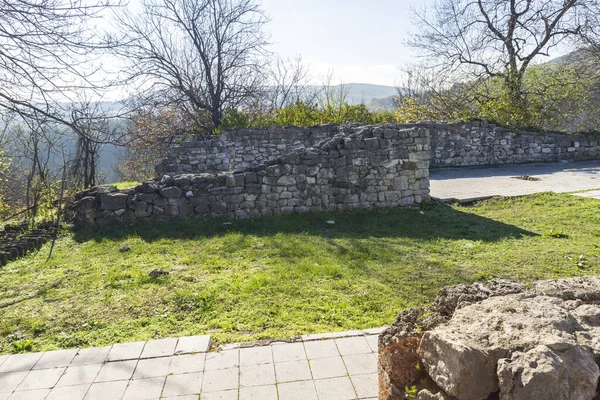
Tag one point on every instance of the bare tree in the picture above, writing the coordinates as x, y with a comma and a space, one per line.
289, 82
47, 51
499, 38
202, 55
33, 144
333, 96
94, 127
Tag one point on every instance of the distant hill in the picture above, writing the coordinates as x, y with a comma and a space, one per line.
573, 57
373, 96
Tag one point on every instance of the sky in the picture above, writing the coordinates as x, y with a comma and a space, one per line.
361, 41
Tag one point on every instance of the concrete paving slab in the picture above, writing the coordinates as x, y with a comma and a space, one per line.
187, 363
79, 375
355, 345
222, 360
20, 362
39, 394
106, 390
159, 348
69, 392
373, 342
192, 344
41, 379
149, 388
304, 390
188, 397
10, 380
290, 371
220, 380
150, 368
126, 351
321, 349
56, 359
257, 375
335, 389
223, 395
91, 355
288, 352
256, 356
323, 368
360, 363
259, 393
365, 385
472, 183
183, 384
116, 371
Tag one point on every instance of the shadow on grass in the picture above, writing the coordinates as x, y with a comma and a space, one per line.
439, 222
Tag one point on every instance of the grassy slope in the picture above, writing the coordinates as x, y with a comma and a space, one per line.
282, 276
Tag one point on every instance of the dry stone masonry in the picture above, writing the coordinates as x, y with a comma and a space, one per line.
480, 143
497, 341
238, 149
474, 143
248, 173
357, 168
17, 240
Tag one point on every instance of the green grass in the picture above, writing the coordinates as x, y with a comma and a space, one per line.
283, 276
125, 185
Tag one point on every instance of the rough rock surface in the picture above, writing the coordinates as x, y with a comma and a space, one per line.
498, 341
543, 373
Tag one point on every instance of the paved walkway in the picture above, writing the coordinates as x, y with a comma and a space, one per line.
480, 182
340, 366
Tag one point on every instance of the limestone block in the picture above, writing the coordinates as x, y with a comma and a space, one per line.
286, 180
87, 203
171, 192
113, 201
542, 373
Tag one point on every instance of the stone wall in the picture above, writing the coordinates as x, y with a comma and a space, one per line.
359, 168
498, 340
238, 149
452, 145
17, 240
480, 143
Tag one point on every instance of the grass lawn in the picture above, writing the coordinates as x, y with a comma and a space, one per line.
283, 276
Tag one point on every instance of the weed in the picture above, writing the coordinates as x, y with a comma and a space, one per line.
21, 346
556, 234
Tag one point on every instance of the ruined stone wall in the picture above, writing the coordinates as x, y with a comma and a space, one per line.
480, 143
360, 168
452, 145
238, 149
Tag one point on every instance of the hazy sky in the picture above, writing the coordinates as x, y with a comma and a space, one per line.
361, 40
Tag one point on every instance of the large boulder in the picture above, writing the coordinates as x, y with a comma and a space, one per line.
497, 341
462, 356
